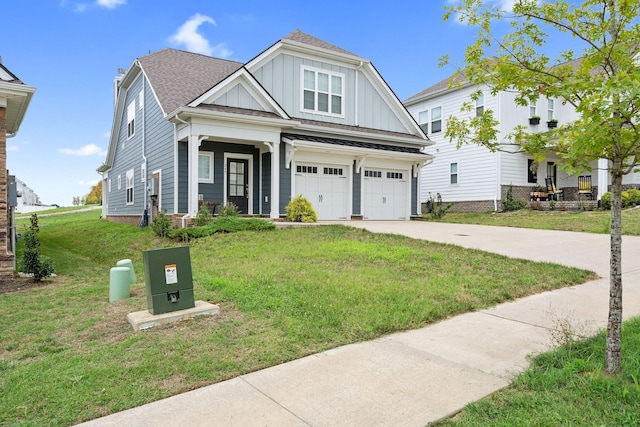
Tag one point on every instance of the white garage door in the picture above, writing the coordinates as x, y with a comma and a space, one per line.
384, 194
326, 188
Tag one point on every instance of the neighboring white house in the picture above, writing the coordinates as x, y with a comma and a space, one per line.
476, 179
28, 200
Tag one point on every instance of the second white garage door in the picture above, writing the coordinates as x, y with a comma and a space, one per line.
325, 186
384, 194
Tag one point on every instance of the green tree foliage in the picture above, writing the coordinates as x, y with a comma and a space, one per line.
600, 79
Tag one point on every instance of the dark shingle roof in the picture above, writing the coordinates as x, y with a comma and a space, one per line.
179, 77
350, 143
361, 129
305, 38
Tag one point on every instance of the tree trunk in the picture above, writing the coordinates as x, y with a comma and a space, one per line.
612, 363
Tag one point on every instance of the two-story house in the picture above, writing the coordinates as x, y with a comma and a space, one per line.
476, 179
303, 117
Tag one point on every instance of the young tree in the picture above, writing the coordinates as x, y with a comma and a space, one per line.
601, 80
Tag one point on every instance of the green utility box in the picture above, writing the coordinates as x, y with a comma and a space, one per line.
167, 276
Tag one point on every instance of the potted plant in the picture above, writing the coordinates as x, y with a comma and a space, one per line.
553, 123
534, 120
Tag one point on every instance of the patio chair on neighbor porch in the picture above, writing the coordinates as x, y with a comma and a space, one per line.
552, 191
584, 186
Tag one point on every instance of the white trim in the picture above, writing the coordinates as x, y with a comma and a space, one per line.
130, 185
243, 157
143, 172
211, 159
159, 172
131, 119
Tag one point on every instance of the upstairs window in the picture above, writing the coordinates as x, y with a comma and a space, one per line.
532, 110
550, 105
322, 92
480, 105
423, 120
430, 119
436, 119
131, 119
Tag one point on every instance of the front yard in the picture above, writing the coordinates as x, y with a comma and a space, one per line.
68, 355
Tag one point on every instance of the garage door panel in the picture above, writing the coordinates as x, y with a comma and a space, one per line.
326, 188
384, 194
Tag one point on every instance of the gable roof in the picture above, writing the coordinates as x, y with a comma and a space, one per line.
304, 38
178, 77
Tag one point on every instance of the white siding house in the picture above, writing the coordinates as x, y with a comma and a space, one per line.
473, 177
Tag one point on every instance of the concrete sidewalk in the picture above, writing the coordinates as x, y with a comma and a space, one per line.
415, 377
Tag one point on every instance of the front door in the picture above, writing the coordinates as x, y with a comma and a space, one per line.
238, 184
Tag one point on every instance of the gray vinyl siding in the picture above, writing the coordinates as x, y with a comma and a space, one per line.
414, 195
238, 97
285, 183
128, 156
158, 148
357, 192
281, 77
266, 183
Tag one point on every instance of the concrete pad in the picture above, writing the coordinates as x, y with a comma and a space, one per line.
480, 341
229, 403
140, 320
380, 382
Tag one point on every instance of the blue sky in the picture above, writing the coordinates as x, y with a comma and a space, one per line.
71, 50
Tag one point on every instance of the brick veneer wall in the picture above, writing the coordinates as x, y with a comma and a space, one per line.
6, 259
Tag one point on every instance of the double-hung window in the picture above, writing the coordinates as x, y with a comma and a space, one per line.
480, 105
431, 119
129, 186
323, 92
131, 119
550, 105
205, 167
454, 173
532, 110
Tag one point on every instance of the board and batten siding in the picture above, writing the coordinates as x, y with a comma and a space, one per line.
281, 77
238, 97
477, 166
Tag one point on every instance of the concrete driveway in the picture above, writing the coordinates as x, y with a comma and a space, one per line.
412, 378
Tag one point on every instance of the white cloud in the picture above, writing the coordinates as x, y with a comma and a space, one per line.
89, 183
87, 150
13, 145
111, 4
188, 36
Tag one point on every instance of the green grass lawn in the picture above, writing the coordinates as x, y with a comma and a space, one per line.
590, 222
68, 355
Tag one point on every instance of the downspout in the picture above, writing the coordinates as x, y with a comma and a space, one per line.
144, 157
175, 171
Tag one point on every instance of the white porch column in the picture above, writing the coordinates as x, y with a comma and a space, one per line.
603, 177
275, 180
194, 147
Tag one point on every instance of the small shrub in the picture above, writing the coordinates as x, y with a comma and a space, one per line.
435, 206
230, 209
32, 262
301, 210
229, 224
605, 201
203, 217
552, 204
535, 205
510, 204
161, 225
633, 196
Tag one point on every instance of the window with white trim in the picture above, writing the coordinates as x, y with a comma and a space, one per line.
436, 119
322, 92
109, 182
205, 167
129, 186
119, 182
550, 107
306, 169
532, 110
143, 173
372, 173
423, 120
480, 105
454, 173
131, 119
